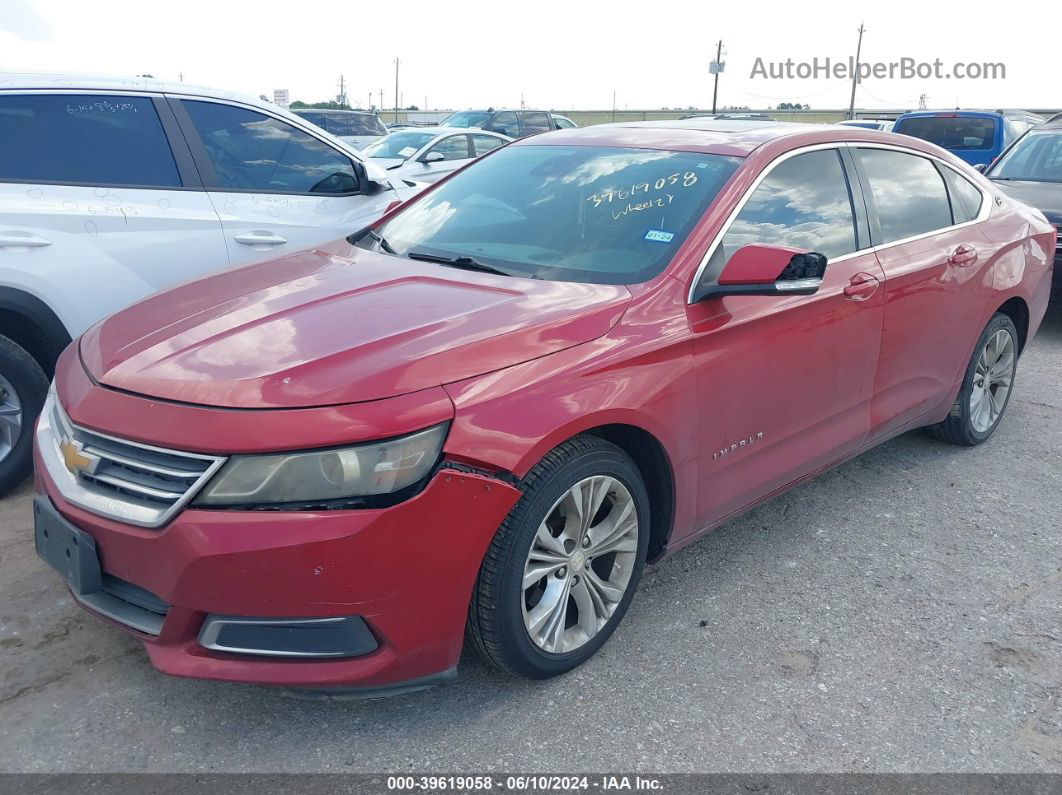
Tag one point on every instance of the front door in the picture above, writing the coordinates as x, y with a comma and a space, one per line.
785, 382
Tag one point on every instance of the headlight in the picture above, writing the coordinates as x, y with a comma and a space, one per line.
325, 475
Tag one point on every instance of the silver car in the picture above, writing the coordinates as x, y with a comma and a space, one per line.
427, 154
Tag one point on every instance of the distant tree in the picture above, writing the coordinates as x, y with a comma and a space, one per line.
151, 76
412, 107
320, 105
792, 106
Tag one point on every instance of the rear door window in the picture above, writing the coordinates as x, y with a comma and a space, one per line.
84, 139
254, 152
952, 132
908, 193
534, 122
804, 203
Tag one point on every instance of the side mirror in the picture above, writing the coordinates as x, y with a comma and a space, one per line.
758, 269
369, 179
432, 157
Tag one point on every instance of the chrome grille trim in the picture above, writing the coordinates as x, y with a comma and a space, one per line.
123, 480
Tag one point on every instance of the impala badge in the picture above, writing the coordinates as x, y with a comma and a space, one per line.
736, 446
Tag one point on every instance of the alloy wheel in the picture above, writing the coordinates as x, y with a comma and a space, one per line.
993, 376
580, 564
10, 418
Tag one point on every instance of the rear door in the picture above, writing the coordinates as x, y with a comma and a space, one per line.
278, 188
100, 204
930, 247
786, 382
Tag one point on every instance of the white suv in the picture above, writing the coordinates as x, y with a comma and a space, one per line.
112, 189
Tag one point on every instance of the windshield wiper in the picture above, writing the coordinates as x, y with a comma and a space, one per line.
370, 232
463, 262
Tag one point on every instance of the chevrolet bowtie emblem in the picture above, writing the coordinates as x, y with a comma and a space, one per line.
75, 460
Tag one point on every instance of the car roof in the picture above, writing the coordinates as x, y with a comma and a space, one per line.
301, 111
452, 130
911, 114
720, 136
735, 137
103, 82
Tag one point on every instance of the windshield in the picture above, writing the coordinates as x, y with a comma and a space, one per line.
398, 144
1037, 158
466, 118
603, 215
951, 132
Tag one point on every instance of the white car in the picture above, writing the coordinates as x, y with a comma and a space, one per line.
427, 154
112, 189
882, 125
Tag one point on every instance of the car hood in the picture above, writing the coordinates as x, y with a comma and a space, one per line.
1044, 196
337, 325
388, 162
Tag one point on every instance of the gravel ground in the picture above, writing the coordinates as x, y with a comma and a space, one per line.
900, 613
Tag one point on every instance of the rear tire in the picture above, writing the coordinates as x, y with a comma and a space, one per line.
545, 554
986, 387
23, 388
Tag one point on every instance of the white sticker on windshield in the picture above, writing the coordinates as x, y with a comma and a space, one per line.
659, 236
406, 151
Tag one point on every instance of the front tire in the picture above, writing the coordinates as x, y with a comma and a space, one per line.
986, 387
564, 565
23, 388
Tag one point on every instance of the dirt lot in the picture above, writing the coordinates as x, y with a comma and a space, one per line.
899, 613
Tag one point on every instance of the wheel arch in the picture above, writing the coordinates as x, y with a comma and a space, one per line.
1018, 311
32, 325
651, 458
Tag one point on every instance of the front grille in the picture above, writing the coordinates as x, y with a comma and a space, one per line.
120, 479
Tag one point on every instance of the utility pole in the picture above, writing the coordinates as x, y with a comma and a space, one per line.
396, 90
855, 73
922, 102
717, 67
342, 98
613, 106
369, 106
380, 106
180, 76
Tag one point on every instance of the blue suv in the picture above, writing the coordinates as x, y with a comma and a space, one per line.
976, 136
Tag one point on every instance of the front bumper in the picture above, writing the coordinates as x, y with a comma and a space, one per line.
407, 571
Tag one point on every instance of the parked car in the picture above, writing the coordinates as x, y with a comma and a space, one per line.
976, 136
488, 410
563, 122
882, 125
728, 116
427, 154
357, 128
512, 123
111, 189
1030, 170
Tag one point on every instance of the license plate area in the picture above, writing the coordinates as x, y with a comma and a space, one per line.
69, 551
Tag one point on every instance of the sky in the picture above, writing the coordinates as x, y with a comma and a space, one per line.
561, 55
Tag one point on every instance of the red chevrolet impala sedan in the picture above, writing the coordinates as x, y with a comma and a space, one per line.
481, 416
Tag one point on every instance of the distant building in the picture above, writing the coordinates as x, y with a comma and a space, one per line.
281, 97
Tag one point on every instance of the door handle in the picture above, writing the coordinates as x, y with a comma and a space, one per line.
860, 287
963, 256
260, 238
22, 240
